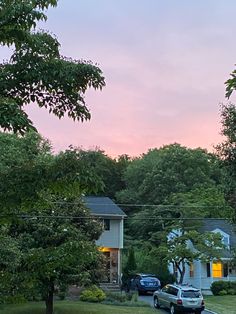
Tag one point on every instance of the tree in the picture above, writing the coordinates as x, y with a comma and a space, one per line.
28, 166
227, 149
57, 239
44, 218
24, 170
183, 246
208, 200
153, 177
36, 72
129, 269
149, 260
131, 265
92, 168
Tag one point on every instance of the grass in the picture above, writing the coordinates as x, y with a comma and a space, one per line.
221, 304
66, 307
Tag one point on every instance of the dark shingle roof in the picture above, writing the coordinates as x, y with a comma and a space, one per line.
100, 205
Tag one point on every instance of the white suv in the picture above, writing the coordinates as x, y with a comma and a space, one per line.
179, 299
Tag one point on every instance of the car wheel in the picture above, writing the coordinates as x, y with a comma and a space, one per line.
156, 303
172, 309
198, 312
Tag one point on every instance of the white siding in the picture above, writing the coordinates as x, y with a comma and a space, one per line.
112, 238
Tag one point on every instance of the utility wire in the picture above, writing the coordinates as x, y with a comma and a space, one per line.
96, 217
137, 205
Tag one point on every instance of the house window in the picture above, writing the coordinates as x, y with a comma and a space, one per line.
225, 241
106, 224
191, 270
217, 270
208, 266
225, 270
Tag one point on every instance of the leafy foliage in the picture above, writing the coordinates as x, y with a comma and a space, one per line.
185, 244
228, 286
227, 152
57, 241
131, 265
92, 294
36, 73
153, 177
50, 235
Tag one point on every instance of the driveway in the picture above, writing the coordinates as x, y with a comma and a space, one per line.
149, 299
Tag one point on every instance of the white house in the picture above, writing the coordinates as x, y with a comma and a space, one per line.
111, 240
201, 274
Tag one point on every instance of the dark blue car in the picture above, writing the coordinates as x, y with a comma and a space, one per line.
144, 283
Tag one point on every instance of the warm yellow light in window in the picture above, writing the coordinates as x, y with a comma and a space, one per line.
217, 269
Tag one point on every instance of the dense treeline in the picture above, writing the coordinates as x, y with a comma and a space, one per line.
157, 188
172, 181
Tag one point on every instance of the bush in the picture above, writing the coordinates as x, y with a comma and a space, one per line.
223, 292
220, 287
92, 294
134, 297
231, 292
116, 297
124, 299
233, 286
16, 299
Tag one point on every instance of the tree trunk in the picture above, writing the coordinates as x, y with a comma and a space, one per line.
49, 299
181, 272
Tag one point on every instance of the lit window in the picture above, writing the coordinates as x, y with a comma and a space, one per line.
217, 270
191, 270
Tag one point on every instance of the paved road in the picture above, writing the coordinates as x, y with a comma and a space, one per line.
149, 299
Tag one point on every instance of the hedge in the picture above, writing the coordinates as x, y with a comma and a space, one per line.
223, 287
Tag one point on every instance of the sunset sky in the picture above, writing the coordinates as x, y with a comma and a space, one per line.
165, 64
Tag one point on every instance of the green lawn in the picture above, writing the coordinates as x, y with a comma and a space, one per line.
66, 307
221, 304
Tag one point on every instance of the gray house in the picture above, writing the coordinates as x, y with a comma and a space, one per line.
111, 240
202, 274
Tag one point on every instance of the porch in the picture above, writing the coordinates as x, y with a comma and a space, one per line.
112, 265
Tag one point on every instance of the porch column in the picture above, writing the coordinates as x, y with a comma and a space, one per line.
119, 266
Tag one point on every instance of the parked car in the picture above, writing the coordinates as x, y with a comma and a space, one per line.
179, 299
144, 283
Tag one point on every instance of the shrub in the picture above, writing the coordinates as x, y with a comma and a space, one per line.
116, 297
134, 297
231, 292
233, 286
218, 286
124, 299
223, 292
92, 294
16, 299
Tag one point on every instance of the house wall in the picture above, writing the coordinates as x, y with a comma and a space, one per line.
195, 280
112, 238
200, 279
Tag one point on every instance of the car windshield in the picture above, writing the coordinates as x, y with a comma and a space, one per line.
191, 294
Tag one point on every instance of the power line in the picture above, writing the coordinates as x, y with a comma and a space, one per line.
23, 216
138, 205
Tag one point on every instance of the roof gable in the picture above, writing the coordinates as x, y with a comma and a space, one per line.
103, 206
222, 226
